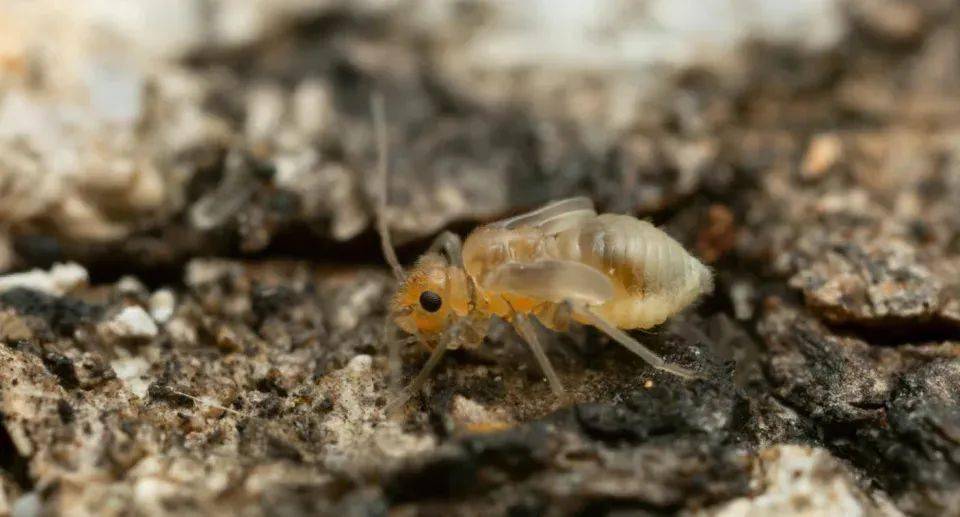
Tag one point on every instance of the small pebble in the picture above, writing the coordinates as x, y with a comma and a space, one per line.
132, 323
60, 280
162, 305
824, 152
129, 285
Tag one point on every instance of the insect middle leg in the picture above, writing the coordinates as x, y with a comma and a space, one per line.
529, 333
451, 245
585, 314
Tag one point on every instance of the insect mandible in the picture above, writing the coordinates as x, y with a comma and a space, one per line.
560, 263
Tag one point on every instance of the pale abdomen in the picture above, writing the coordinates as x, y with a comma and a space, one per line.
653, 274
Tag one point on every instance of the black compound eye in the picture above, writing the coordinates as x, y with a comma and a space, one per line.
430, 301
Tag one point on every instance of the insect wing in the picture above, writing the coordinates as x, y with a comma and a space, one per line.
566, 221
553, 217
552, 281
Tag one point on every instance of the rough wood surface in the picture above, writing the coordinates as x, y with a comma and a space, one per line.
822, 185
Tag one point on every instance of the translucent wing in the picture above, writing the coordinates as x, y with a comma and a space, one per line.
551, 280
553, 217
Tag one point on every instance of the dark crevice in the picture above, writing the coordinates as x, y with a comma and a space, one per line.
63, 315
11, 461
613, 506
837, 437
893, 332
63, 368
155, 277
297, 241
868, 405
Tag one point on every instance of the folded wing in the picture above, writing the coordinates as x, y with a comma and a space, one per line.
553, 217
551, 280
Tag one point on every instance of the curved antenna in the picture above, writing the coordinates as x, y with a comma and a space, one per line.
380, 128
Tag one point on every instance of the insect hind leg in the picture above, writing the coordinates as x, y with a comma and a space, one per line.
632, 344
529, 333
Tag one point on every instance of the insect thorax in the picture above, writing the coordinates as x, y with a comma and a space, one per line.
487, 247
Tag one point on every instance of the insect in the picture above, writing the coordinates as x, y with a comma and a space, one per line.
561, 263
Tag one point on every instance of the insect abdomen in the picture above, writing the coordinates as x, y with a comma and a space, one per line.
653, 274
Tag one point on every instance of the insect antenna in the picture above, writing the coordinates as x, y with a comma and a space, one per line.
378, 112
383, 167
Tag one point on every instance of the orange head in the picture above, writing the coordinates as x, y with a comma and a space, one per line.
431, 297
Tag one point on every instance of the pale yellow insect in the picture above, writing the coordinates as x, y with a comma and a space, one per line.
560, 263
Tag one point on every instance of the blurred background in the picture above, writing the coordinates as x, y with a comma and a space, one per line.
147, 132
191, 271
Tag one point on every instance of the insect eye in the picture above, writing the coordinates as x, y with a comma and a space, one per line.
430, 301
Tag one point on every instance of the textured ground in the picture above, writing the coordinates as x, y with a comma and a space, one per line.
820, 182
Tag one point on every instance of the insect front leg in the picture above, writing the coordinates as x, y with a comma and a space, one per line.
451, 245
587, 315
393, 354
418, 381
529, 333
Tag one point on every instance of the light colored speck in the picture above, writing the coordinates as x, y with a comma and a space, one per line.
162, 304
131, 371
824, 151
205, 271
130, 285
132, 323
347, 315
60, 280
152, 491
181, 332
312, 106
800, 480
360, 364
28, 505
356, 429
742, 294
470, 415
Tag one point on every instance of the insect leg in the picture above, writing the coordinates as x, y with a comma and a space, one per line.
417, 383
395, 344
393, 353
632, 344
451, 245
529, 333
